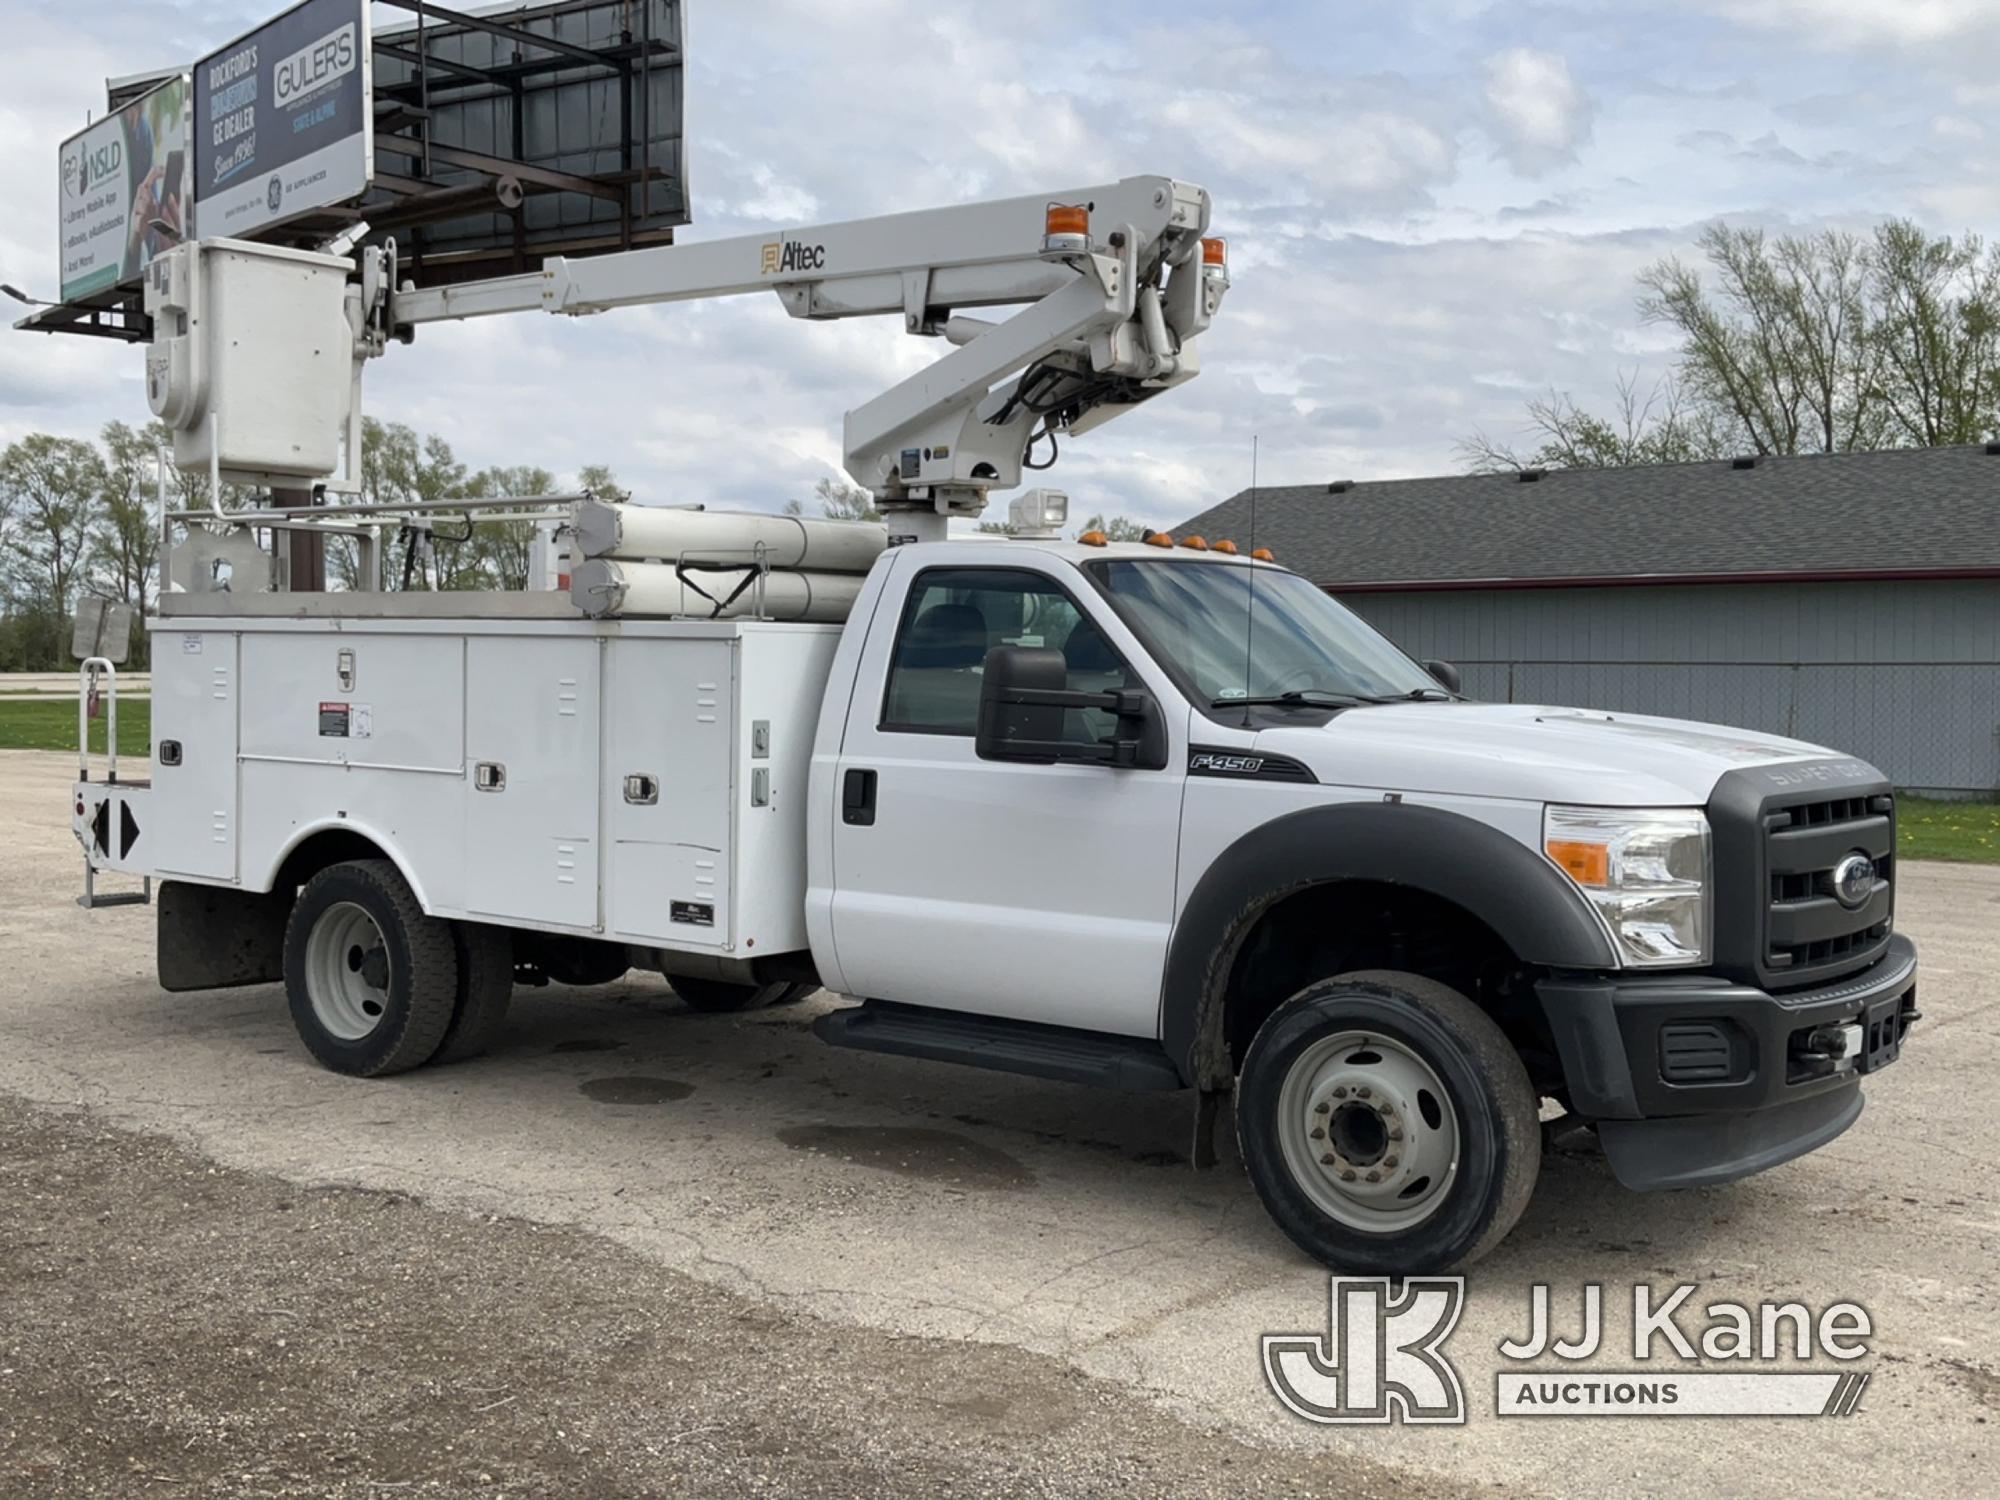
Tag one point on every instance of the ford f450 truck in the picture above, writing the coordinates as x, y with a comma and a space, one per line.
1137, 816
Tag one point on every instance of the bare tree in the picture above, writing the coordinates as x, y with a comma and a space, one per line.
1655, 428
1783, 349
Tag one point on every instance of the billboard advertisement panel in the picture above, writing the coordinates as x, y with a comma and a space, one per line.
284, 119
122, 199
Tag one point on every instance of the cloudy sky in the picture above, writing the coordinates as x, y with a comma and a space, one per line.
1436, 209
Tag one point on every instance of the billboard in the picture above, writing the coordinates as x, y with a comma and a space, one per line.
122, 198
284, 119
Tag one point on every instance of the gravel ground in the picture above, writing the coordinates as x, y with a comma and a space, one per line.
943, 1273
172, 1327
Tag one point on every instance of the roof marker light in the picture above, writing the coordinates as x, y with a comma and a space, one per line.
1225, 546
1158, 539
1093, 539
1215, 252
1264, 554
1195, 543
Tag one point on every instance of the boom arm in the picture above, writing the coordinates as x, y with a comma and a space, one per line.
1113, 312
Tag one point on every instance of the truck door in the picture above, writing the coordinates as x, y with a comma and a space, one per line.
1040, 892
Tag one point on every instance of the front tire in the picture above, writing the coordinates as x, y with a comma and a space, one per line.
372, 981
1388, 1124
717, 996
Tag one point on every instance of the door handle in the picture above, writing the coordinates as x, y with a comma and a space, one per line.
857, 798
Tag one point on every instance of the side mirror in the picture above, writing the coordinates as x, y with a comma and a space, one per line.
1445, 673
1023, 695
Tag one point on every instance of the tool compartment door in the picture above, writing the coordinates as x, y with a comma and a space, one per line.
669, 733
194, 712
531, 751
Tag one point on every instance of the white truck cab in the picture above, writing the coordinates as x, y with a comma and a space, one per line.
1135, 815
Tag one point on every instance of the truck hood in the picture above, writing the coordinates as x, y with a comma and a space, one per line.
1531, 753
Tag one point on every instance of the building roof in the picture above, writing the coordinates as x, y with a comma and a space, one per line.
1918, 512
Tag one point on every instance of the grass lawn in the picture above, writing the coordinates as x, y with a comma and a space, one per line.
1947, 830
52, 726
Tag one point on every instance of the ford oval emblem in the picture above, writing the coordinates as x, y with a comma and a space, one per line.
1854, 880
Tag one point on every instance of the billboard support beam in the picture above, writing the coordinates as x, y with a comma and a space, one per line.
506, 33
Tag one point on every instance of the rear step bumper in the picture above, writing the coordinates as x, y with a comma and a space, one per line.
1133, 1064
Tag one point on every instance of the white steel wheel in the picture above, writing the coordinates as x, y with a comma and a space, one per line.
1388, 1124
1369, 1131
371, 978
347, 971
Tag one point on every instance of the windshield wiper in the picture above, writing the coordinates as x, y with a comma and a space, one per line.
1297, 698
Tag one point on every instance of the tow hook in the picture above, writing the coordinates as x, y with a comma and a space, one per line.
1825, 1050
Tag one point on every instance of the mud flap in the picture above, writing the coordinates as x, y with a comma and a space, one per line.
211, 938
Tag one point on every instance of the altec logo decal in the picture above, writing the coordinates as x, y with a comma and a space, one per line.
781, 256
1382, 1359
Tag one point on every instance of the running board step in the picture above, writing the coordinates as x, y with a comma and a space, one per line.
1133, 1064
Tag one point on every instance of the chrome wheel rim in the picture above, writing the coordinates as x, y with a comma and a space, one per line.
1368, 1132
348, 971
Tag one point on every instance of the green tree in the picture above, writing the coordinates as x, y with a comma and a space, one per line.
601, 482
125, 531
504, 548
49, 487
839, 501
1116, 528
1937, 328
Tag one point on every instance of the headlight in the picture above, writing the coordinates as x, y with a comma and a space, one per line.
1645, 870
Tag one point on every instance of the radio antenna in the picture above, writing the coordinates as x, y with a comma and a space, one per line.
1250, 589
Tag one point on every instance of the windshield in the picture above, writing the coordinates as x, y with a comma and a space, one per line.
1299, 643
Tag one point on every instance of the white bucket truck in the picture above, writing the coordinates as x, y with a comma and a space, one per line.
1149, 815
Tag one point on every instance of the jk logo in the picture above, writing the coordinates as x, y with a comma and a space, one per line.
1379, 1360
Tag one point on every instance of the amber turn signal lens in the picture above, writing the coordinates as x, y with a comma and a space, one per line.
1224, 546
1093, 539
1158, 539
1068, 218
1195, 543
1264, 554
1586, 864
1215, 252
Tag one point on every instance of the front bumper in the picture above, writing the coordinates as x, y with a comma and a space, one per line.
1694, 1079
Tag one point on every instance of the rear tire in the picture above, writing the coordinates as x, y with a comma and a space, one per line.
485, 989
372, 981
1388, 1124
718, 997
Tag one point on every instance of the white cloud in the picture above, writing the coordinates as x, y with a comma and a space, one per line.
1537, 113
1863, 23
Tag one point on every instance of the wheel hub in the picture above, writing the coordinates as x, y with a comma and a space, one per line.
348, 971
1369, 1131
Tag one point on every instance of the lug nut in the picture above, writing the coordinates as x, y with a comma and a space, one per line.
1318, 1134
1341, 1092
1390, 1161
1362, 1092
1396, 1134
1385, 1108
1373, 1175
1322, 1108
1348, 1175
1328, 1159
